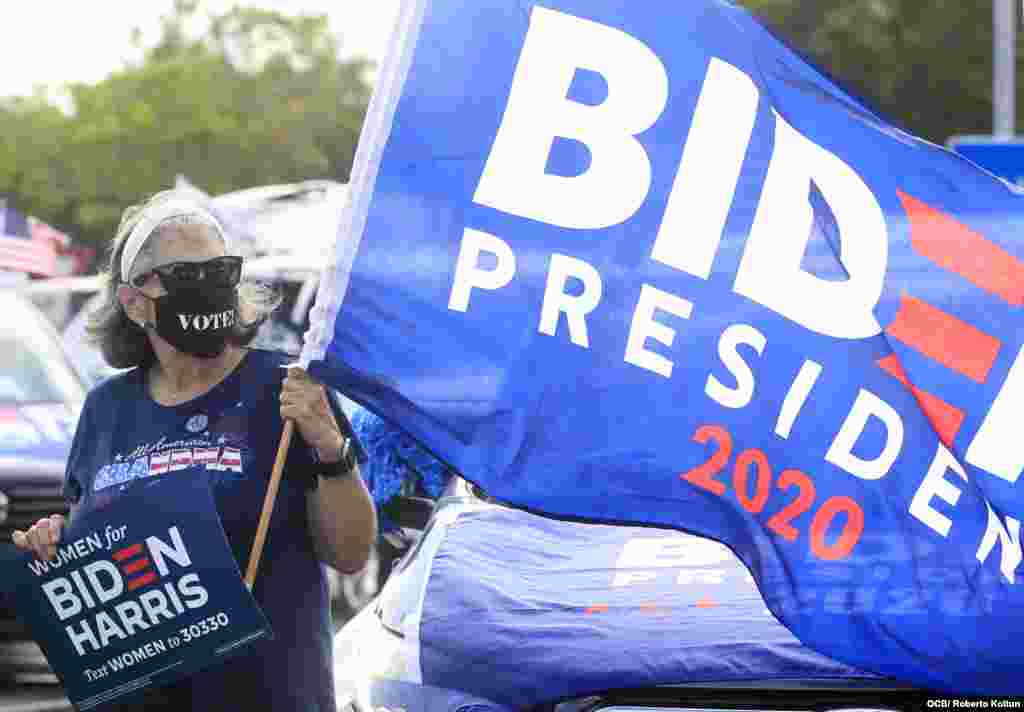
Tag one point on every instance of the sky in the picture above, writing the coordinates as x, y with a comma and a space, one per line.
55, 41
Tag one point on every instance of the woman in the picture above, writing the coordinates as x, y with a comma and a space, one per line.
177, 315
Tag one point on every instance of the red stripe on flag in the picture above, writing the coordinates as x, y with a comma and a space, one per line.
959, 249
25, 255
128, 552
136, 566
20, 263
141, 581
942, 337
44, 232
945, 418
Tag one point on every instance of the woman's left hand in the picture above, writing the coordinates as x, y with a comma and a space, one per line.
305, 401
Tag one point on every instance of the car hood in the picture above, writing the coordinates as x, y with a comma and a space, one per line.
36, 434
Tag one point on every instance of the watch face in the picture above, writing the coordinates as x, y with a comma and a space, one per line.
345, 464
348, 455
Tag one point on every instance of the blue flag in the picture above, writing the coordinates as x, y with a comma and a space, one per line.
639, 265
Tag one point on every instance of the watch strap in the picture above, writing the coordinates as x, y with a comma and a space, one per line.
344, 466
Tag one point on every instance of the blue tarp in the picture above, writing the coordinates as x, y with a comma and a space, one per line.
521, 609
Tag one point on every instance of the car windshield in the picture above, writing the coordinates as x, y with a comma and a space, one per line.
33, 367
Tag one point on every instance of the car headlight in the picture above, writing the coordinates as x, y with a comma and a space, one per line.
3, 507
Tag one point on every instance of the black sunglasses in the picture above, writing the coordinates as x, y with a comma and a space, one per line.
220, 271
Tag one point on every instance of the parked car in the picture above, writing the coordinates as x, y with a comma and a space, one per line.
40, 401
496, 608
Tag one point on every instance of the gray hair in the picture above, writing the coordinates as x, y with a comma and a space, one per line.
124, 343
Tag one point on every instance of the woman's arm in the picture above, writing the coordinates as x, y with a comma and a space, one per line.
341, 516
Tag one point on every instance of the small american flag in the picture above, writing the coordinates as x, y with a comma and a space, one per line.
20, 251
43, 232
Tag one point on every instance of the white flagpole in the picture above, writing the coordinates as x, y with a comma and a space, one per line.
1004, 84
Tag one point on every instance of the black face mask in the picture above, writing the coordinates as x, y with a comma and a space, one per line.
197, 319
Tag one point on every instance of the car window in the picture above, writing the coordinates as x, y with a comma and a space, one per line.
277, 335
85, 357
33, 367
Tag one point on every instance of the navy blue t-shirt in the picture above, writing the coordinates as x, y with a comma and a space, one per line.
230, 435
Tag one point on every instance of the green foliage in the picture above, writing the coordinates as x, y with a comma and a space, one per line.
259, 98
31, 164
925, 64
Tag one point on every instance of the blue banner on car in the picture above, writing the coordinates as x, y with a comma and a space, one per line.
523, 610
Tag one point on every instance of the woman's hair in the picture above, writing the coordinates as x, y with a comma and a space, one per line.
124, 343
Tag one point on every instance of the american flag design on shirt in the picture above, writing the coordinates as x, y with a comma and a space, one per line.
220, 450
159, 463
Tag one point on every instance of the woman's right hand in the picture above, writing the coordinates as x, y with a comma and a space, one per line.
42, 537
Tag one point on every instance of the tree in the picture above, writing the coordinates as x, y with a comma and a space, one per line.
31, 166
257, 98
925, 64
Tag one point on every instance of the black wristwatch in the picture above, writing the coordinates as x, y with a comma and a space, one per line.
344, 466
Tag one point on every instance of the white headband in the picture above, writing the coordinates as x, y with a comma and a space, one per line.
171, 208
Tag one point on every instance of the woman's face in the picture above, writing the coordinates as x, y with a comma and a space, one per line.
171, 243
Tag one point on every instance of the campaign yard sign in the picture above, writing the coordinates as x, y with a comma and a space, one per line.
640, 262
141, 593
